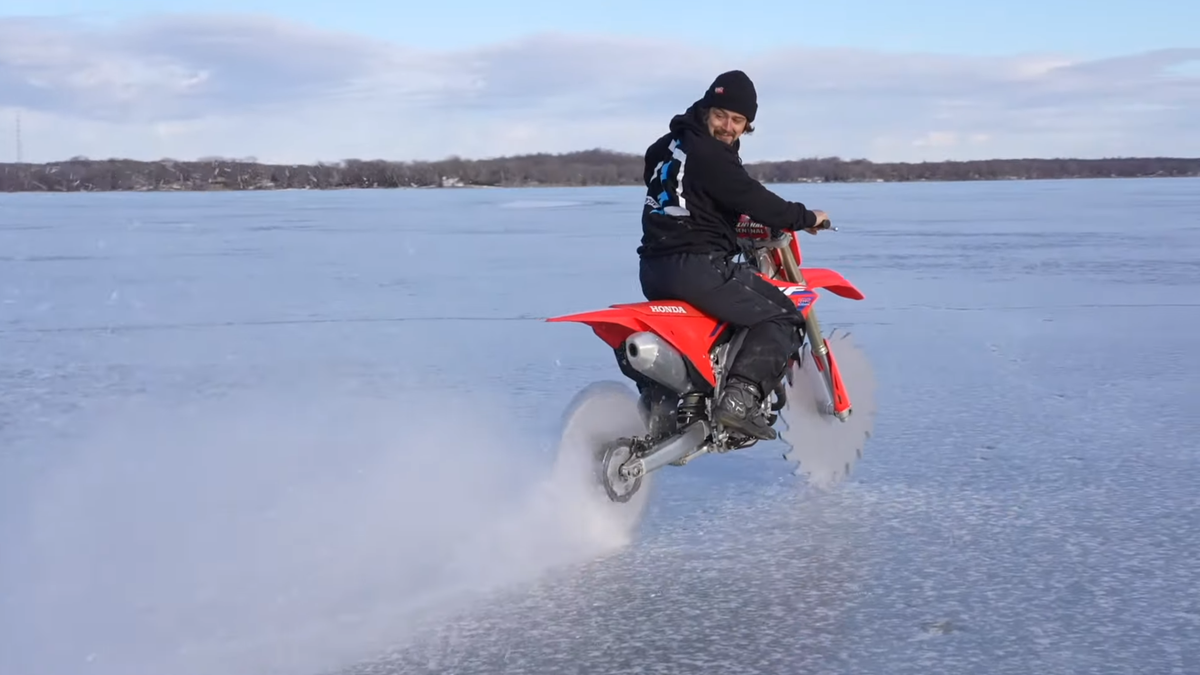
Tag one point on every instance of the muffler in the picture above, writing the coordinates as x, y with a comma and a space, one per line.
655, 358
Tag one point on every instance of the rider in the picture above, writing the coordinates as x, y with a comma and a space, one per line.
697, 189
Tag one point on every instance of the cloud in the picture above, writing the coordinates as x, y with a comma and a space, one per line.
186, 86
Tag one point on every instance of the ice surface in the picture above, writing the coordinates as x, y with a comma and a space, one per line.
307, 432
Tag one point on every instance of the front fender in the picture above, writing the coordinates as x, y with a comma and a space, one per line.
821, 277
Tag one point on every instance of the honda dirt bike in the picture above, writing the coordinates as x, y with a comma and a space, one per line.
678, 358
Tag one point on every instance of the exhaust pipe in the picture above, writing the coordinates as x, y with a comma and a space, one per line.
655, 358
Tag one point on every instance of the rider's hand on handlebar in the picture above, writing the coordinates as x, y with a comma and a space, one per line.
822, 222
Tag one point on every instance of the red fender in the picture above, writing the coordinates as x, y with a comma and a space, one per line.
686, 328
820, 277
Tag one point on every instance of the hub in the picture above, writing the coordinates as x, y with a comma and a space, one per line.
614, 474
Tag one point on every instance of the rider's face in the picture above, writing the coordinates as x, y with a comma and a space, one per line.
725, 126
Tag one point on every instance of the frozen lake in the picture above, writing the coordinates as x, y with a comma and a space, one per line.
303, 432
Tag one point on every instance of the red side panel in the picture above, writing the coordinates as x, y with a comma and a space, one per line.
680, 324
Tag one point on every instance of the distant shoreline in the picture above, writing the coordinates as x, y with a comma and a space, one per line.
596, 168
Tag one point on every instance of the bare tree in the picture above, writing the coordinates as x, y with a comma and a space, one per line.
588, 167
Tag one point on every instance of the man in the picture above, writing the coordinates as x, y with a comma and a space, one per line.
697, 189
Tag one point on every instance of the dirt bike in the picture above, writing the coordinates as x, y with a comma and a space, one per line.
677, 357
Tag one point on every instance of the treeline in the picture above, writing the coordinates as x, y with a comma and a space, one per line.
591, 167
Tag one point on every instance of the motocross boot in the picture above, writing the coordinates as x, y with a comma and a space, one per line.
740, 409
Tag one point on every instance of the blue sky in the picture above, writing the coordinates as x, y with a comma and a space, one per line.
1079, 27
884, 80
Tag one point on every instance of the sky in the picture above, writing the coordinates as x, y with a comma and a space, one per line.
305, 81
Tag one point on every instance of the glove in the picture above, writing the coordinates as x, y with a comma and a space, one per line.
823, 222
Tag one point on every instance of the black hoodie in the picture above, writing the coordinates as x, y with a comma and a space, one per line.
697, 188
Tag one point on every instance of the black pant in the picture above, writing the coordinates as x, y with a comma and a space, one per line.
731, 292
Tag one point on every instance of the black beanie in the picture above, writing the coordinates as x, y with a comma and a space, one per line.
734, 91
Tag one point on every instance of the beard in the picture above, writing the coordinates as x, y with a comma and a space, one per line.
723, 136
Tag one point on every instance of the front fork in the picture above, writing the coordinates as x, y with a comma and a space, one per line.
822, 356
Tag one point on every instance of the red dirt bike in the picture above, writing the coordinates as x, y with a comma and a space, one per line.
677, 356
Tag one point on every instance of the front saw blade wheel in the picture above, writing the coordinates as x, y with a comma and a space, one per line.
612, 456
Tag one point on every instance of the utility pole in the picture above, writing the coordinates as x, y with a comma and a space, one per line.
18, 137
